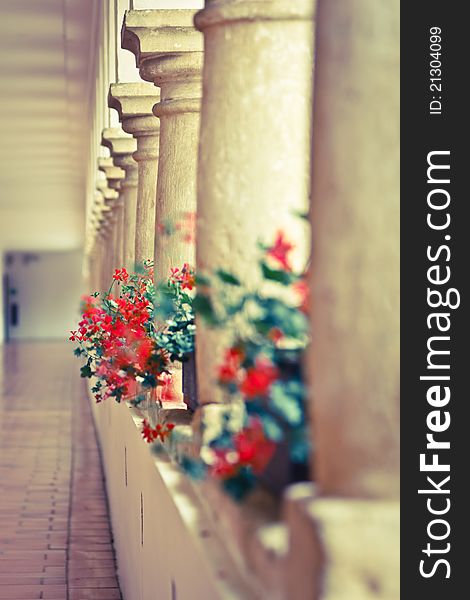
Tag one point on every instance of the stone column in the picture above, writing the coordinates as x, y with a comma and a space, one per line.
355, 271
134, 103
95, 243
100, 214
168, 53
355, 299
114, 176
122, 147
254, 157
92, 252
110, 198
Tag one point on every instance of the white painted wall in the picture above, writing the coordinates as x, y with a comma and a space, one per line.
48, 292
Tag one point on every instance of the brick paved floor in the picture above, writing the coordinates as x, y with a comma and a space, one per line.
55, 538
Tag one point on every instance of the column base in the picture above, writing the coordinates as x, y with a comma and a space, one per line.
342, 548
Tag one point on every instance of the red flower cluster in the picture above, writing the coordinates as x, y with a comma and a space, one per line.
151, 434
228, 371
115, 332
165, 389
253, 382
279, 251
251, 448
258, 379
184, 276
121, 275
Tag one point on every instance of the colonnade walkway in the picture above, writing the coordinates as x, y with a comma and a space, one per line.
55, 537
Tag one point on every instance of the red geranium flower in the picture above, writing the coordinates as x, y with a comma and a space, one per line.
279, 251
228, 370
150, 434
121, 275
258, 379
185, 277
253, 447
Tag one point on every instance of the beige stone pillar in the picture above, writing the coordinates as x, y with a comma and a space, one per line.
134, 103
114, 176
99, 216
168, 53
355, 300
122, 146
254, 158
110, 199
91, 252
355, 220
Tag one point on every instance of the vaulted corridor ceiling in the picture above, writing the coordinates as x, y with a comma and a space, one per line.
46, 54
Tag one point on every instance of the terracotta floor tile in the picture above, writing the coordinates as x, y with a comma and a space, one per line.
55, 536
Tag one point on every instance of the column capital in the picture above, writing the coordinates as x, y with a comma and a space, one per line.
169, 53
217, 12
134, 103
149, 32
107, 193
120, 144
132, 100
114, 175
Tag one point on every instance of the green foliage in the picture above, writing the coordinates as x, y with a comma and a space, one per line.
239, 486
269, 328
176, 317
86, 371
203, 306
227, 277
286, 401
193, 468
277, 275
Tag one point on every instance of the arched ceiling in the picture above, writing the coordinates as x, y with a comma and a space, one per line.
46, 77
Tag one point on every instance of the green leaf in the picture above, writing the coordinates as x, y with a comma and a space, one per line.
86, 371
149, 381
193, 468
202, 280
301, 215
78, 351
271, 427
227, 277
300, 447
286, 401
239, 486
138, 400
202, 305
282, 277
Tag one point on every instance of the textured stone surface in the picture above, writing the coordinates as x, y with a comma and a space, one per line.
133, 103
361, 541
122, 146
164, 43
355, 270
254, 158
